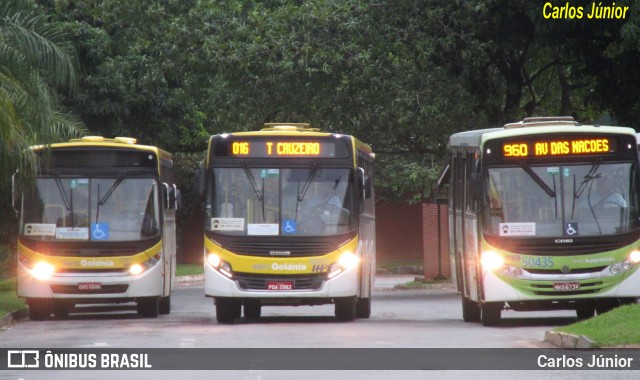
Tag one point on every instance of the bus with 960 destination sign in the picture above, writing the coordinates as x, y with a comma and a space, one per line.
289, 220
97, 226
543, 215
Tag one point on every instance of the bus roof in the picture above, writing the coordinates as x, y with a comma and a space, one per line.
117, 142
531, 126
298, 130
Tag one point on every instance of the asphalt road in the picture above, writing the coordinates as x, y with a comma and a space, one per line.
424, 318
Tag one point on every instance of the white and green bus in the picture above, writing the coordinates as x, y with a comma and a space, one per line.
543, 215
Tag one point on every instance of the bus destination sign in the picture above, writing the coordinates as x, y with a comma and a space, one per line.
559, 147
273, 148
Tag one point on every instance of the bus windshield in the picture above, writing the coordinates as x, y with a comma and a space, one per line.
313, 201
572, 200
96, 209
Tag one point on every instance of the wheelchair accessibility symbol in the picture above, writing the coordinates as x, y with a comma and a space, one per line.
289, 227
99, 231
571, 229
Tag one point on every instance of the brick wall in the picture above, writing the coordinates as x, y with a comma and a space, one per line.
433, 265
398, 231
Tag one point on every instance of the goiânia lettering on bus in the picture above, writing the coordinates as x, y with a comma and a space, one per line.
97, 263
299, 266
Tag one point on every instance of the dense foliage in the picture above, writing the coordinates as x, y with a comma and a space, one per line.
400, 75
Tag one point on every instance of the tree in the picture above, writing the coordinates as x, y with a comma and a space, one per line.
33, 63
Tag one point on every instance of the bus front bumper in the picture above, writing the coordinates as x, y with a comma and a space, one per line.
344, 284
94, 286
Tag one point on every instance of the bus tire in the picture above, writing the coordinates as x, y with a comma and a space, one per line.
491, 313
61, 309
470, 310
345, 308
252, 310
39, 309
227, 309
585, 311
363, 308
148, 307
165, 305
604, 305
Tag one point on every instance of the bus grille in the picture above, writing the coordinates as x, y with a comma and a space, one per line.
259, 282
104, 289
288, 249
572, 271
122, 271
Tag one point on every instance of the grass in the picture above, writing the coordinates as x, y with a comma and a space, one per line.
389, 264
189, 269
615, 328
8, 299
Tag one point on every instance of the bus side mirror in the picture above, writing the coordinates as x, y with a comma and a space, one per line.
16, 200
364, 183
177, 197
165, 195
367, 187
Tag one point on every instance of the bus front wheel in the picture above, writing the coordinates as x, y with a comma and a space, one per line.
165, 305
39, 309
227, 309
470, 310
363, 308
345, 308
252, 309
491, 313
148, 307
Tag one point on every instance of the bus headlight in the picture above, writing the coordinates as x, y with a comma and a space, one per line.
491, 260
216, 262
42, 270
634, 257
346, 261
136, 269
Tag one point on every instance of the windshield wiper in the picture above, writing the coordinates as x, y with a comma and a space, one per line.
68, 201
590, 176
537, 179
105, 198
307, 183
247, 171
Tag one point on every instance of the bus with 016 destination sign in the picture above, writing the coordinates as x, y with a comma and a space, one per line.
543, 215
289, 220
97, 226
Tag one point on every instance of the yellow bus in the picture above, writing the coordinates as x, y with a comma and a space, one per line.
98, 226
289, 220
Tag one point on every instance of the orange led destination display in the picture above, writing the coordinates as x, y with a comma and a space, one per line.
278, 148
273, 148
559, 147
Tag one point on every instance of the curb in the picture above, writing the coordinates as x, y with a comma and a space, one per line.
564, 340
13, 316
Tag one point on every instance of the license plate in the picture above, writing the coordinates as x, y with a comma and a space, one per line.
89, 286
566, 286
279, 285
